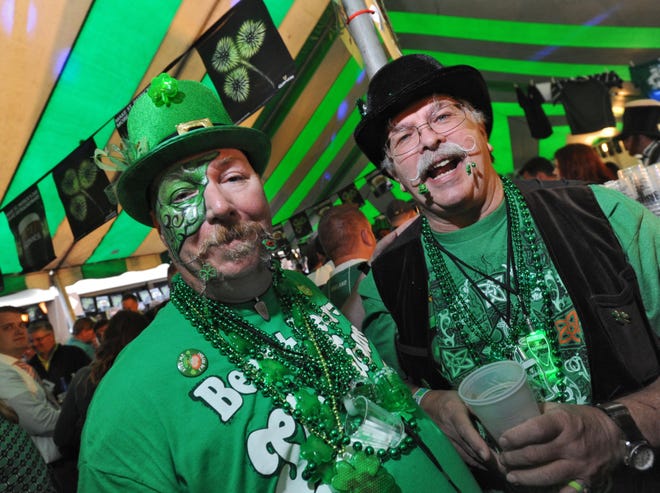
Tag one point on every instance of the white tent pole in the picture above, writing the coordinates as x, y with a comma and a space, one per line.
63, 298
363, 32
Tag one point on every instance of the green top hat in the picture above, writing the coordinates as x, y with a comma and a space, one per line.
174, 120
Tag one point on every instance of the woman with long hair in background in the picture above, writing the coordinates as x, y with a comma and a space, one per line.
582, 162
124, 326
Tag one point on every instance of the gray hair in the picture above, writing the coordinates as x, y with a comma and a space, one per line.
471, 112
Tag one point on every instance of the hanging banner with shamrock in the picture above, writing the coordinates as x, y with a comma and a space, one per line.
84, 190
246, 58
121, 118
646, 76
300, 224
351, 195
27, 222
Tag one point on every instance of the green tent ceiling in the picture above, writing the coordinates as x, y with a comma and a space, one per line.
73, 64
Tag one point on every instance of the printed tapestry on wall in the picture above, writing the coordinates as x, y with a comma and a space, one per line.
84, 190
301, 225
379, 183
646, 76
27, 221
121, 118
351, 195
246, 58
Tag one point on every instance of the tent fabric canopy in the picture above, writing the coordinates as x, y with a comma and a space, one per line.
73, 64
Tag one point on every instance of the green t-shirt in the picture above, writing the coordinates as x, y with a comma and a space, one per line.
341, 282
483, 246
151, 428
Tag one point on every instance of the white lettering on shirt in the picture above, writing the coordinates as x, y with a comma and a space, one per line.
225, 401
238, 381
266, 447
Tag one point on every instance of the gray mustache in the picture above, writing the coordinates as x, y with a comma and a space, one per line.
448, 150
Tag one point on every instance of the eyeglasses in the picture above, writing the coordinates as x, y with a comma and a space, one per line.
39, 339
442, 120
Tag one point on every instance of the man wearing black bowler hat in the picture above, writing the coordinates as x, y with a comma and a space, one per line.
641, 130
560, 276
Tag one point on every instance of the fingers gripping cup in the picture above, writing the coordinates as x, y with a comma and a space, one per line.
498, 394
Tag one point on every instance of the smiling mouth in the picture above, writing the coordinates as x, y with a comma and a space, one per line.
441, 168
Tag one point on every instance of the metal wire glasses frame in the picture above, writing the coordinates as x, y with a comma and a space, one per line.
43, 337
443, 119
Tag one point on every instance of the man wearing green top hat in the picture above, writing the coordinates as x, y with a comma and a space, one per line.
560, 276
249, 379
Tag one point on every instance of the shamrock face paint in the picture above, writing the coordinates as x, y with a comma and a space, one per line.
180, 207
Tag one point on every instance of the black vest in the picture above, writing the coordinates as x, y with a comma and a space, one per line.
623, 351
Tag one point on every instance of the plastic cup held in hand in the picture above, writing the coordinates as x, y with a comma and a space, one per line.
498, 394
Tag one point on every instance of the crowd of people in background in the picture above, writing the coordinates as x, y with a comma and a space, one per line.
45, 389
123, 327
571, 162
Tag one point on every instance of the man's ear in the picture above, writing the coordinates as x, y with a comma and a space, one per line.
367, 236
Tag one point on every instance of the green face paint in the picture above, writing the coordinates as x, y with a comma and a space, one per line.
180, 206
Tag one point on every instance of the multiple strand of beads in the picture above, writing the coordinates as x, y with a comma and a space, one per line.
241, 343
528, 268
529, 279
464, 320
319, 369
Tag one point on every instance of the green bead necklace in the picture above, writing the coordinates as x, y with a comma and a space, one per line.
525, 266
317, 367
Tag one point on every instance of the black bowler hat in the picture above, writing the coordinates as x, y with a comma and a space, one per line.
641, 117
406, 80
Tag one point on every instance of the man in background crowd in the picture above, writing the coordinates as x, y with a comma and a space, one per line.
346, 236
641, 132
20, 387
320, 267
538, 167
84, 336
55, 363
130, 302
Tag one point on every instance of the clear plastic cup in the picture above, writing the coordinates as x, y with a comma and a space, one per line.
638, 178
653, 171
498, 394
372, 425
622, 186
